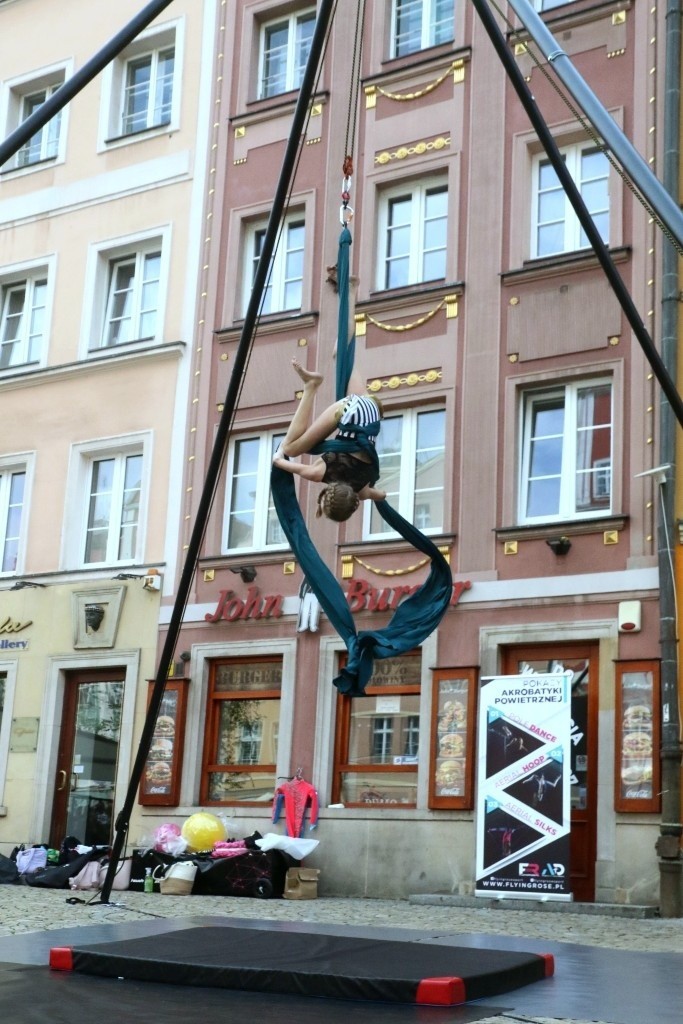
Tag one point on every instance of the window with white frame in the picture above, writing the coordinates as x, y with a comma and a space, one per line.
144, 85
411, 451
284, 48
556, 228
419, 24
13, 498
250, 517
23, 318
24, 98
412, 233
113, 509
567, 457
127, 292
284, 289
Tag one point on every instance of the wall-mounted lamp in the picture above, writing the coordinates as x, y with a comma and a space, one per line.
185, 655
22, 584
559, 545
247, 573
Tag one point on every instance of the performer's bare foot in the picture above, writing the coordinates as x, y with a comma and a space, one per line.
307, 376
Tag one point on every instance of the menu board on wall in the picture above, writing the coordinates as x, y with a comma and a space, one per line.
523, 797
161, 778
452, 767
637, 746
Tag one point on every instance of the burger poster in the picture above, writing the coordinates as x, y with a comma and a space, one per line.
523, 796
162, 768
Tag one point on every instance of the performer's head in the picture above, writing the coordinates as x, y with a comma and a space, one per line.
337, 501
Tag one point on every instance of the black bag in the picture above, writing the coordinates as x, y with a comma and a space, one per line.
8, 870
156, 861
57, 877
253, 873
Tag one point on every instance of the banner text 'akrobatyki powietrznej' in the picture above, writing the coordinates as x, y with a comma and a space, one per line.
523, 797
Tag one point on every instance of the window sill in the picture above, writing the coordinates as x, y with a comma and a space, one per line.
150, 131
34, 165
574, 13
396, 68
567, 527
272, 323
555, 266
272, 106
398, 298
393, 545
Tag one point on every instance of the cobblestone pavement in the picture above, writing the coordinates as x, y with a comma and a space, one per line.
25, 909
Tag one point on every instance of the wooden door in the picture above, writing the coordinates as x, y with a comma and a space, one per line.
83, 804
582, 660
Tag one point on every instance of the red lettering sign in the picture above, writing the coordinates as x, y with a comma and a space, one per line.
231, 607
362, 597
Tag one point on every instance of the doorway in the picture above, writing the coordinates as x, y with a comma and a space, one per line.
582, 660
83, 803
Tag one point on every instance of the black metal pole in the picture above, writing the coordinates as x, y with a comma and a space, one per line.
216, 459
601, 251
81, 78
636, 168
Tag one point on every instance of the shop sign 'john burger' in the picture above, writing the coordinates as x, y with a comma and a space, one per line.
360, 595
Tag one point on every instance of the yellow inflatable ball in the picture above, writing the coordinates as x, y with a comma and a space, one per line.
202, 830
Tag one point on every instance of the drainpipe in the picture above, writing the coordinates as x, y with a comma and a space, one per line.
668, 844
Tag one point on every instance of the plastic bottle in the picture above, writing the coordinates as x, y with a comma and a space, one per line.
149, 881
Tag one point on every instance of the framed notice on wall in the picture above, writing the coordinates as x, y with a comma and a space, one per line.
452, 749
637, 737
160, 784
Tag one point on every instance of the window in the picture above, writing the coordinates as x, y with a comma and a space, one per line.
243, 714
413, 222
113, 516
556, 228
411, 451
148, 91
142, 86
45, 143
567, 452
13, 489
22, 324
24, 97
132, 298
377, 750
418, 24
126, 287
251, 520
106, 502
284, 289
285, 45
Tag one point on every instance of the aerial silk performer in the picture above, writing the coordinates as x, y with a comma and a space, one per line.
350, 460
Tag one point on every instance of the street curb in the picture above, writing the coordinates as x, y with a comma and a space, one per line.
623, 910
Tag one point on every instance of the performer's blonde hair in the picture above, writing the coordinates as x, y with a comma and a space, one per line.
337, 501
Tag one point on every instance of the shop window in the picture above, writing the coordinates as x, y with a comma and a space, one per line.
23, 319
556, 228
412, 234
637, 771
284, 287
13, 497
242, 720
419, 24
411, 451
451, 772
567, 457
250, 517
377, 748
284, 48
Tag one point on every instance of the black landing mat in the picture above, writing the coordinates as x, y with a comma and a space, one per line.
310, 964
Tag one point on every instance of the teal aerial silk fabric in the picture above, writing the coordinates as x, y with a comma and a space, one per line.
420, 613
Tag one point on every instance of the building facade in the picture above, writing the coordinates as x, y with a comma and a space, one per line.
519, 415
99, 218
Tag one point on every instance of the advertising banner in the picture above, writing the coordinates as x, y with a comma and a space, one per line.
523, 792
